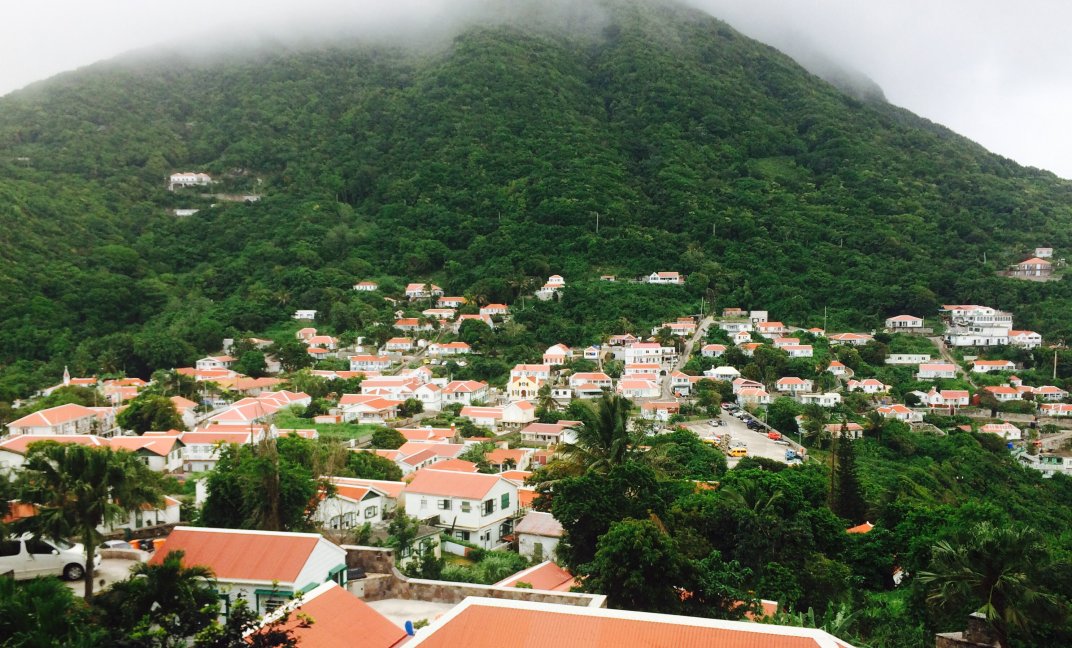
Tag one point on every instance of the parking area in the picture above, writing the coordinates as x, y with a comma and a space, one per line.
756, 442
110, 571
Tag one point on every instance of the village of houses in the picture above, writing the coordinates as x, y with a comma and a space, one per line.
454, 500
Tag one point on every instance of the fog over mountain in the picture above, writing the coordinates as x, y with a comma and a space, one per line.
940, 60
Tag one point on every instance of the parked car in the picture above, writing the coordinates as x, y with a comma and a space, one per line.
29, 557
774, 434
738, 452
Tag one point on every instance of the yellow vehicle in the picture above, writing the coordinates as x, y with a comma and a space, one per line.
738, 452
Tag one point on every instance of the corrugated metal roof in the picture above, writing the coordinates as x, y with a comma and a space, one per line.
242, 555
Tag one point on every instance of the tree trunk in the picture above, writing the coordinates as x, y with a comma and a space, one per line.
87, 542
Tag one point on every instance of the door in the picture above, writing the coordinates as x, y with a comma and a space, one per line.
45, 559
11, 558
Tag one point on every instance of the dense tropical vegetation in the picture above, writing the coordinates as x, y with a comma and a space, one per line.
485, 165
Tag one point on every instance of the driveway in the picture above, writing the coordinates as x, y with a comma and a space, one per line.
110, 571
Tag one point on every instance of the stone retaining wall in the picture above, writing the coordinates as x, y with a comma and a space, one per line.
384, 581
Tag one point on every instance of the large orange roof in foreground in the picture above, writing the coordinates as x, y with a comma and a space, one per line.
492, 623
242, 555
340, 620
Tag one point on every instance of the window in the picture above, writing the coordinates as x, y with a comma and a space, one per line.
464, 535
370, 512
39, 547
443, 504
424, 503
10, 548
489, 507
505, 503
466, 507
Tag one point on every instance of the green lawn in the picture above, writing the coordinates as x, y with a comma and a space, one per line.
345, 431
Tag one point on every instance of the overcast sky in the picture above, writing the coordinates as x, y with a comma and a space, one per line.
999, 72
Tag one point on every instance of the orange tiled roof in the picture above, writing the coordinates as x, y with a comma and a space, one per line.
243, 555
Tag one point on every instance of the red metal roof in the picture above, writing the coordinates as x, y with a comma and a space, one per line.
341, 620
242, 555
481, 623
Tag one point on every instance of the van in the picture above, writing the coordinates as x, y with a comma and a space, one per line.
29, 557
738, 452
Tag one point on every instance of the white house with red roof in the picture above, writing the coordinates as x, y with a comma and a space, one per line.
413, 324
724, 373
1007, 431
161, 453
648, 352
451, 302
741, 337
266, 568
771, 330
398, 344
935, 370
466, 392
825, 399
441, 314
538, 535
838, 369
753, 396
215, 362
799, 350
423, 291
851, 339
1033, 267
350, 505
472, 506
665, 278
13, 448
448, 349
986, 366
66, 419
366, 286
201, 449
793, 385
1049, 393
659, 410
557, 354
624, 339
1025, 339
538, 371
904, 322
868, 386
368, 408
369, 363
745, 383
900, 412
712, 350
486, 417
551, 288
634, 388
782, 342
548, 434
495, 310
950, 399
590, 384
1055, 409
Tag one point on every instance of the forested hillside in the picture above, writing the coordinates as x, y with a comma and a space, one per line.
484, 165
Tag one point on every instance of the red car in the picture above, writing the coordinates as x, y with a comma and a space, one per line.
773, 434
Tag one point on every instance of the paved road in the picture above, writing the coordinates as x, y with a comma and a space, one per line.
948, 357
110, 571
699, 335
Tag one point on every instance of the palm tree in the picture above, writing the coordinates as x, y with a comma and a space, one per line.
166, 599
78, 489
815, 419
875, 426
996, 568
604, 439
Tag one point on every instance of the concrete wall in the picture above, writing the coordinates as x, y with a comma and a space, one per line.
380, 561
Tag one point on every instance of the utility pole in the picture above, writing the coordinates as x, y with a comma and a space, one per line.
824, 319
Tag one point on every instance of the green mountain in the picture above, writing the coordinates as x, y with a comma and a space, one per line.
485, 164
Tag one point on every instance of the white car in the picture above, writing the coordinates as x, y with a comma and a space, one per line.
29, 557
